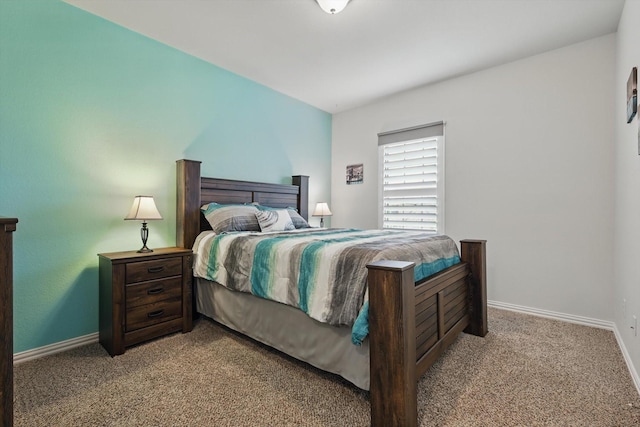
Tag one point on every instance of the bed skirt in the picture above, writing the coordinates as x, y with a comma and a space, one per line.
286, 329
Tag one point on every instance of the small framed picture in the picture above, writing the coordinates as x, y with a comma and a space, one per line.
355, 174
632, 94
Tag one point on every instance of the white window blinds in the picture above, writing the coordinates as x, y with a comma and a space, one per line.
412, 182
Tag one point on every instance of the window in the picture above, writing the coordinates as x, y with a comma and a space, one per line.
412, 178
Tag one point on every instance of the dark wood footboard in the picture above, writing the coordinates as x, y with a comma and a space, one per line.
411, 325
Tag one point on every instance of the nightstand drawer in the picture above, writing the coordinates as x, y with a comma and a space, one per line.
150, 314
156, 269
153, 291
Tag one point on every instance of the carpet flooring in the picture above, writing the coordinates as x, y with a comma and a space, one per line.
528, 371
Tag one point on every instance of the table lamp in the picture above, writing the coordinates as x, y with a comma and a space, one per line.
144, 209
322, 210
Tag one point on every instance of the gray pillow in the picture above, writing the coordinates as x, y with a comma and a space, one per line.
224, 218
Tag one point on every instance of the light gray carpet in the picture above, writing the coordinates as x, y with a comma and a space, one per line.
528, 371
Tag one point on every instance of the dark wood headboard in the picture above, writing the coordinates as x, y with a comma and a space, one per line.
193, 191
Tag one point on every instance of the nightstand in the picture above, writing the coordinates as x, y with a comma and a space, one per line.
144, 296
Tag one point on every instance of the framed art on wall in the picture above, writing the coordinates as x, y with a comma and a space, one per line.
355, 174
632, 94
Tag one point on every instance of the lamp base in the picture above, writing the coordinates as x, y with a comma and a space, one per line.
144, 233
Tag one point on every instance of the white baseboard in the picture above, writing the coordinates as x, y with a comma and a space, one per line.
580, 320
54, 348
587, 321
627, 358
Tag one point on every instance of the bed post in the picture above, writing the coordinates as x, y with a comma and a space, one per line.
474, 253
392, 345
302, 181
188, 202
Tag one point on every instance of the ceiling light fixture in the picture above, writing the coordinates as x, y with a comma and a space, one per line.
332, 6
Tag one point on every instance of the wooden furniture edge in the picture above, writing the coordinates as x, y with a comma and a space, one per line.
8, 226
188, 202
302, 182
474, 253
392, 344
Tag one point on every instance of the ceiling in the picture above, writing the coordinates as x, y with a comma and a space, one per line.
372, 49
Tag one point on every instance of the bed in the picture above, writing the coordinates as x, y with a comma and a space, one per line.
409, 324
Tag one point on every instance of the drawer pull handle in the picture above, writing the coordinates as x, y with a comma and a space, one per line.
155, 291
155, 313
155, 269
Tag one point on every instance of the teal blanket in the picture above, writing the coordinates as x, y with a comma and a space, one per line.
322, 272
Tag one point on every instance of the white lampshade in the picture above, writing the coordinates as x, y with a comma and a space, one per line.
332, 6
143, 208
322, 209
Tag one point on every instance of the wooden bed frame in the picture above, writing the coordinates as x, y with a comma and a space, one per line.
410, 324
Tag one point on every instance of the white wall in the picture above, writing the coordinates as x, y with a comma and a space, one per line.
627, 186
529, 167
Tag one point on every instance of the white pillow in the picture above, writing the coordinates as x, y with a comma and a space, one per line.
278, 220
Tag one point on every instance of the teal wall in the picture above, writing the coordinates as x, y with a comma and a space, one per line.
92, 114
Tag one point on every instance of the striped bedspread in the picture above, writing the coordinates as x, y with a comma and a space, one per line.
320, 271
